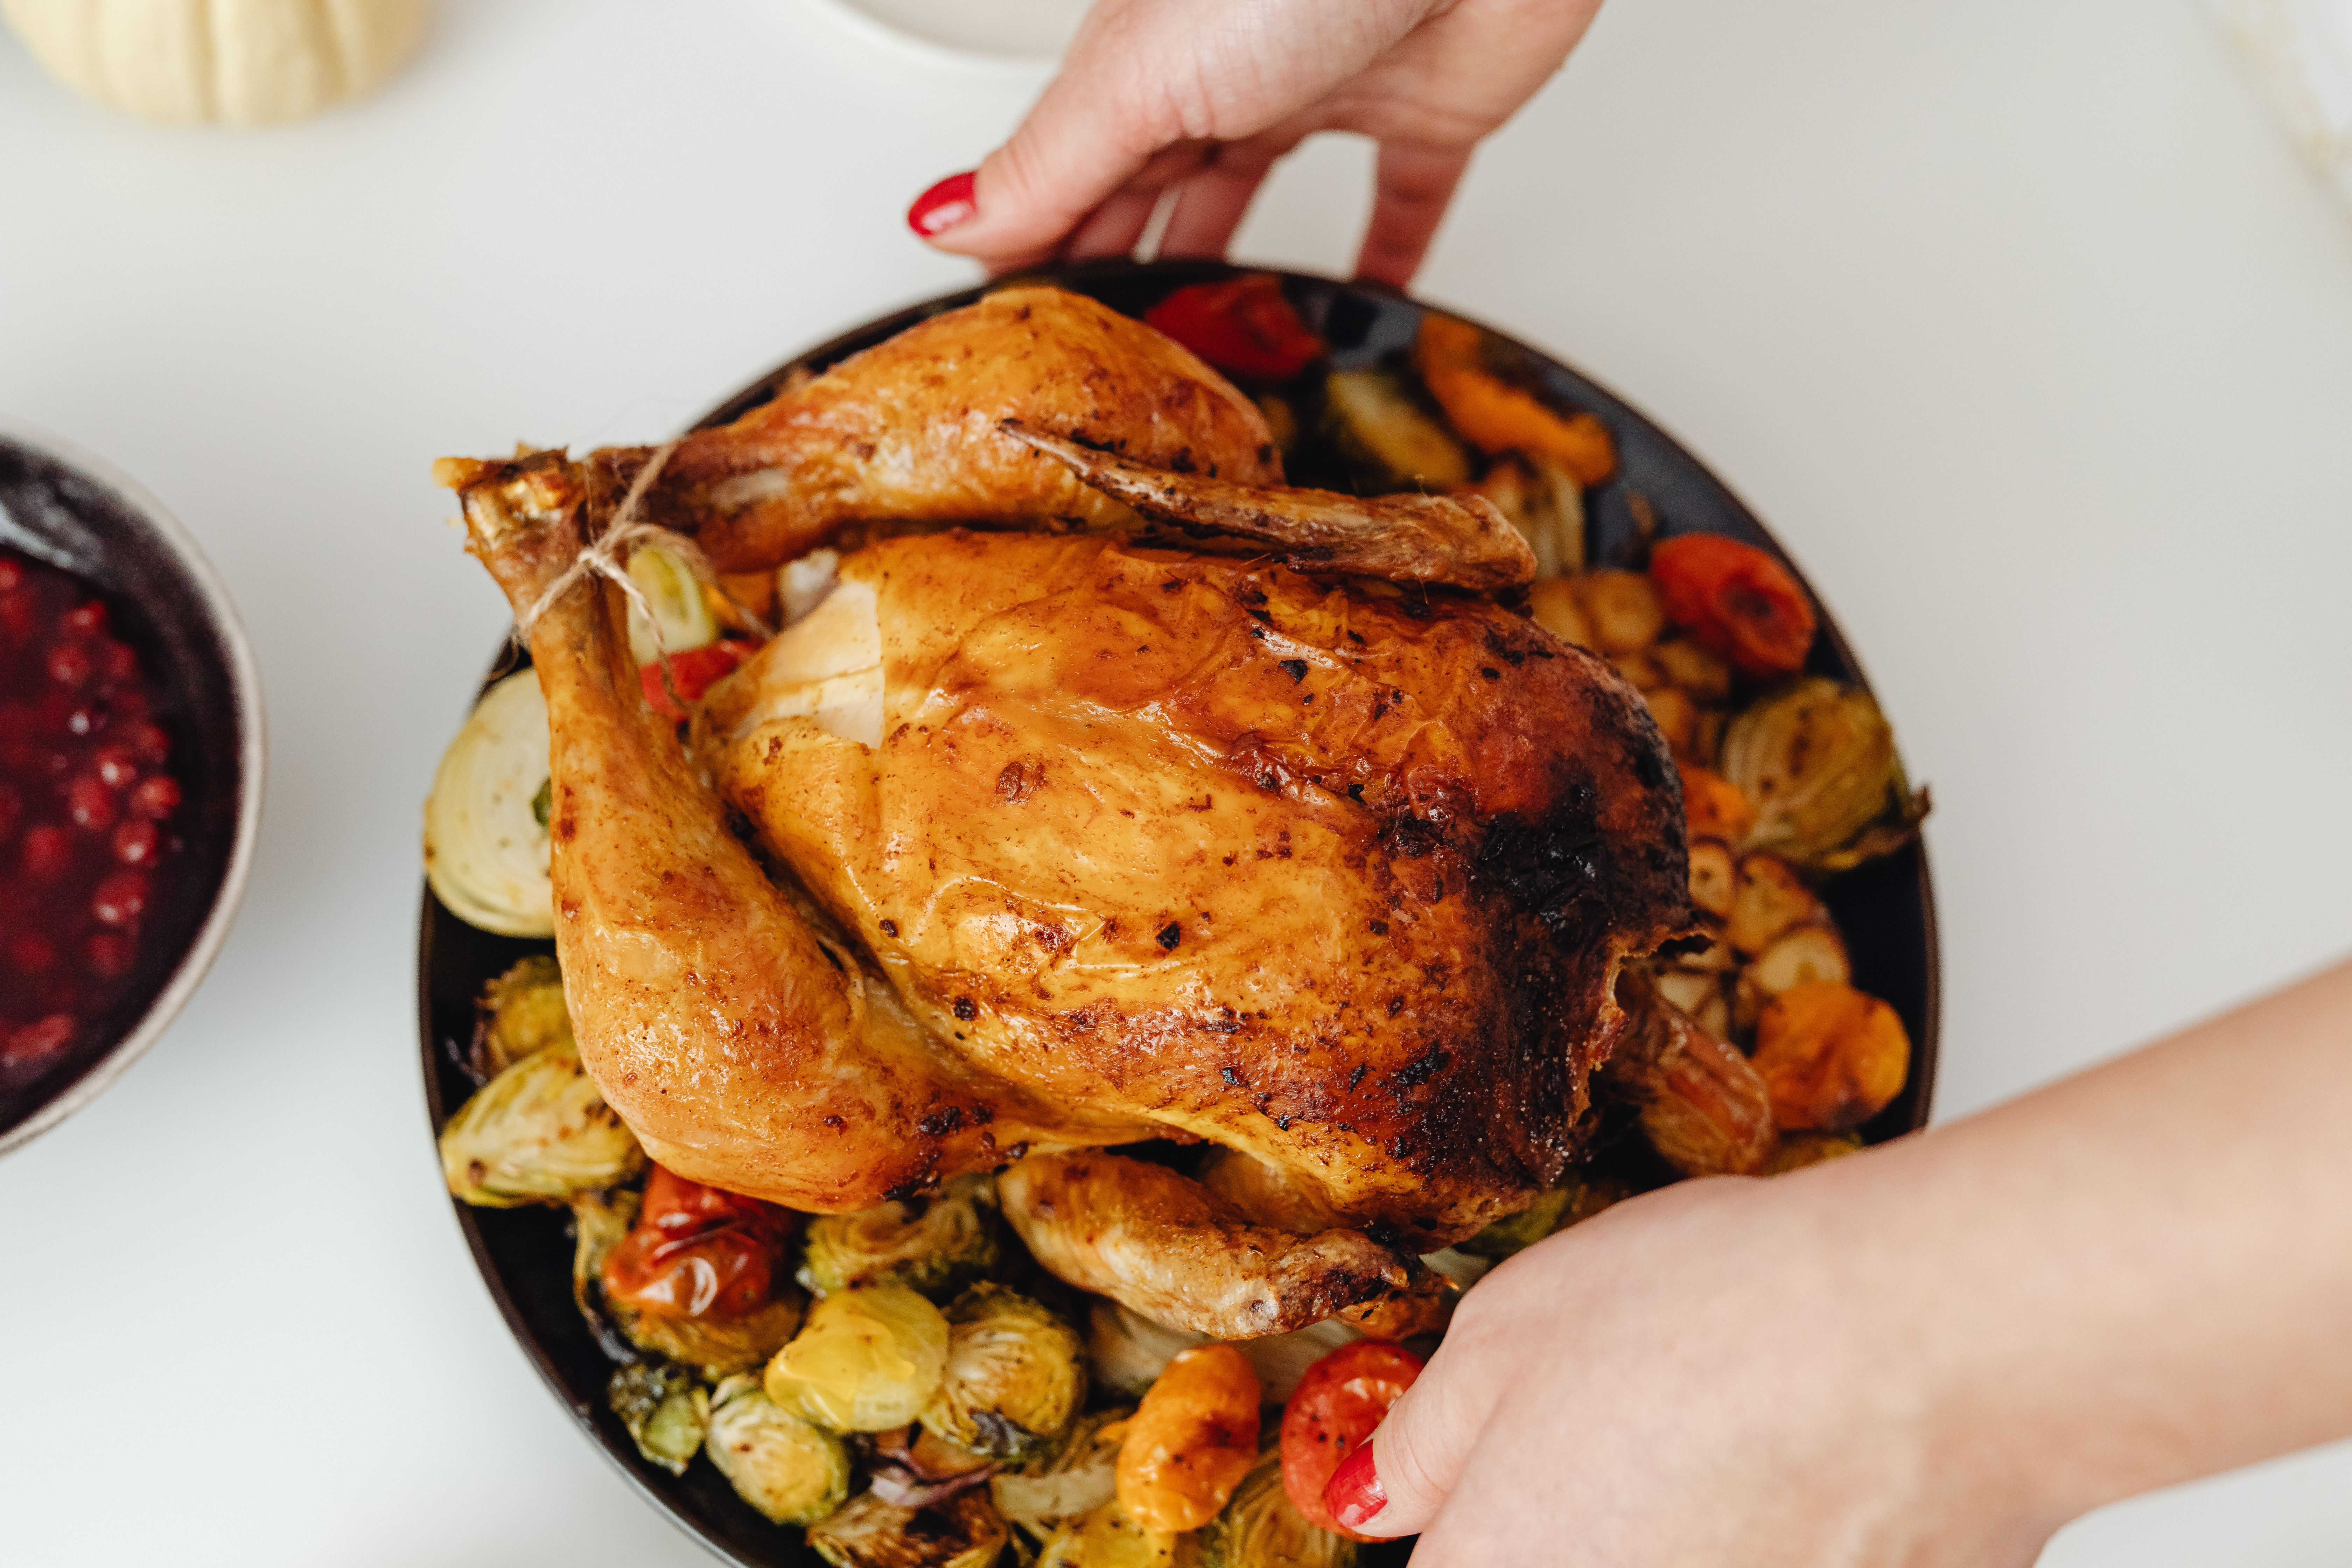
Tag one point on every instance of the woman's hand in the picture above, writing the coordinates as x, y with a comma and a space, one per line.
1934, 1353
1708, 1375
1205, 95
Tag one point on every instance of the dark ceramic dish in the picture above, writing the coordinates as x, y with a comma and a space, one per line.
1885, 909
70, 510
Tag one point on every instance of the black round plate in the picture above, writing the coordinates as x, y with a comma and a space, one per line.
1885, 909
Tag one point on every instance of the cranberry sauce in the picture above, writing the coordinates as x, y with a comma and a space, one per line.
86, 802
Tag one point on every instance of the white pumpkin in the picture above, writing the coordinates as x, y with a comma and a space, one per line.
231, 62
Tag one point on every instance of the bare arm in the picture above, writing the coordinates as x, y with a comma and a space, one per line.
1936, 1352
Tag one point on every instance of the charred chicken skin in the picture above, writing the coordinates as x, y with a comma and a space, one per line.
1024, 845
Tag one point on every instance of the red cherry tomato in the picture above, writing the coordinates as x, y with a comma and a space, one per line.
694, 672
697, 1252
1245, 327
1339, 1401
1738, 602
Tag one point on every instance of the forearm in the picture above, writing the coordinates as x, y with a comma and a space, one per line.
2136, 1276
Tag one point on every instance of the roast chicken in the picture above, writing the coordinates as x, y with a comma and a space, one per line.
1041, 837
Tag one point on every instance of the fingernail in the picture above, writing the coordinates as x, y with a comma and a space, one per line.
1354, 1494
942, 206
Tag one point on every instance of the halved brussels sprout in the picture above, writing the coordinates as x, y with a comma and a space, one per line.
538, 1132
675, 596
1388, 442
1261, 1527
1078, 1479
1109, 1538
520, 1012
936, 1245
960, 1531
865, 1361
599, 1221
665, 1409
1015, 1375
1818, 761
792, 1470
485, 841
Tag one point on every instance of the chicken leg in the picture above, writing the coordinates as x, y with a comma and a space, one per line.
740, 1048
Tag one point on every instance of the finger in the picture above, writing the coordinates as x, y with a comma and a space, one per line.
1410, 193
1112, 228
1418, 1453
1212, 204
1145, 74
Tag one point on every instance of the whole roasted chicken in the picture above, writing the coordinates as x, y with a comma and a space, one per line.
1154, 800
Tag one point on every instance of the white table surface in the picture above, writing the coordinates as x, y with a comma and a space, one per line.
2017, 321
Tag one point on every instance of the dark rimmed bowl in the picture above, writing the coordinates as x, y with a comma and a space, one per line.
70, 510
1886, 908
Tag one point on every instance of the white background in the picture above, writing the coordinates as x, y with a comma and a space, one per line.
2017, 321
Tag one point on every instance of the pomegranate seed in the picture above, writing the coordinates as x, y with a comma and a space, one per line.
12, 810
121, 898
108, 955
69, 665
86, 619
147, 740
116, 662
12, 576
37, 1042
135, 842
89, 803
157, 796
118, 766
48, 853
31, 953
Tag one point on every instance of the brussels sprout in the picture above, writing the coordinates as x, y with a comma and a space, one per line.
865, 1361
485, 849
1388, 442
717, 1347
1014, 1375
599, 1221
520, 1012
935, 1246
960, 1531
790, 1469
1260, 1528
1109, 1538
1578, 1200
538, 1132
1818, 761
665, 1409
1078, 1479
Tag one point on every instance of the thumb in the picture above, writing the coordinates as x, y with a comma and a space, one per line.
1395, 1484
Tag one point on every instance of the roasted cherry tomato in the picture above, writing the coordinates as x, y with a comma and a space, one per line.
1337, 1403
693, 672
697, 1252
1736, 601
1244, 327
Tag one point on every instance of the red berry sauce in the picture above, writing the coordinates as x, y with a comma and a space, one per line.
86, 810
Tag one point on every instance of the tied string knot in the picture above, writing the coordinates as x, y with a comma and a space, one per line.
608, 557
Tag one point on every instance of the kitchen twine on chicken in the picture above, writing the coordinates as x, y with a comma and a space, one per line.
608, 558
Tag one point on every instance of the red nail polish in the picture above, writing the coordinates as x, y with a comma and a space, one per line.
1354, 1493
942, 206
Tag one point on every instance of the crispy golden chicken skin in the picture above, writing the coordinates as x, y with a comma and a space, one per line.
1031, 843
1335, 876
909, 431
